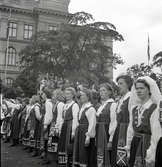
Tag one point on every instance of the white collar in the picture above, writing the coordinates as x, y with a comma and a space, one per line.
67, 105
87, 105
126, 96
146, 105
108, 101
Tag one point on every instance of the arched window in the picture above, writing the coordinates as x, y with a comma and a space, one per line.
11, 56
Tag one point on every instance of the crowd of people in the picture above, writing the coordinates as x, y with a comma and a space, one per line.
89, 128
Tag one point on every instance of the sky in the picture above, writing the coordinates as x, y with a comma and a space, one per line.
135, 20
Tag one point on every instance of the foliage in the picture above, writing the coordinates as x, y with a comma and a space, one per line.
139, 70
157, 59
77, 51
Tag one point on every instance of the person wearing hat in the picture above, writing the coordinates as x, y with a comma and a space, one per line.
144, 129
118, 154
70, 122
106, 124
84, 141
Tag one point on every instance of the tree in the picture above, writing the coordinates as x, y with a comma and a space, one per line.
77, 51
139, 70
157, 59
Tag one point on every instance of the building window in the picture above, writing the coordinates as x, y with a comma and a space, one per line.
11, 56
9, 81
28, 31
52, 28
13, 29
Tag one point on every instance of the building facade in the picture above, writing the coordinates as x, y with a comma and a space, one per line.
24, 18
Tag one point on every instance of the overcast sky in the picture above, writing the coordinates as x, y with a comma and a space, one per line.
134, 20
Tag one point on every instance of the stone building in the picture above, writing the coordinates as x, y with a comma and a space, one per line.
26, 17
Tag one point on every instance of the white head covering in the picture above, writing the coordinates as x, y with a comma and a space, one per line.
156, 96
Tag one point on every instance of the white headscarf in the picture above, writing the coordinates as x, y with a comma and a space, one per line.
156, 96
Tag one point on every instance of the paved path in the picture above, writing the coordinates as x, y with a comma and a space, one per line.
15, 157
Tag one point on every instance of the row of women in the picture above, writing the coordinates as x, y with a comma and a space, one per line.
77, 133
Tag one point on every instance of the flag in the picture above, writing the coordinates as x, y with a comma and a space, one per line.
8, 25
148, 49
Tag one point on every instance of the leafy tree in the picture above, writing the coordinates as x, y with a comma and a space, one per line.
144, 70
157, 59
76, 51
139, 70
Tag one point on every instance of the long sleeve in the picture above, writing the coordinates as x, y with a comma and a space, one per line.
37, 113
91, 116
48, 115
113, 121
75, 110
59, 120
156, 134
130, 134
13, 106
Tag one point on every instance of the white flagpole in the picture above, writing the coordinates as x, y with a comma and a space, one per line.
8, 38
6, 59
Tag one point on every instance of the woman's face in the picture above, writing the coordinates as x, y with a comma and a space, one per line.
104, 93
142, 91
68, 95
83, 97
123, 87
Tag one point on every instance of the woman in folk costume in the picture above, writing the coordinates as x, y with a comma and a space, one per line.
55, 127
21, 116
26, 111
144, 128
118, 157
47, 119
84, 141
7, 119
35, 117
158, 158
15, 122
70, 118
106, 124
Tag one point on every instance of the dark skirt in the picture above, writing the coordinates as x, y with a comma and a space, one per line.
115, 147
158, 159
33, 134
15, 127
63, 142
138, 149
22, 122
53, 140
102, 138
26, 134
84, 156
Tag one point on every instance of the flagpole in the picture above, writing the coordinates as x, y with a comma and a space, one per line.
8, 38
6, 59
148, 50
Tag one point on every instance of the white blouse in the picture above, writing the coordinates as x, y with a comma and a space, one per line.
75, 110
91, 116
48, 114
37, 111
155, 131
59, 119
113, 121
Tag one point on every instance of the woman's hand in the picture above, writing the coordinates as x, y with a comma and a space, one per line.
45, 128
109, 146
87, 141
152, 164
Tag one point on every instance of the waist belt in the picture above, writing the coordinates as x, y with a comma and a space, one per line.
140, 135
